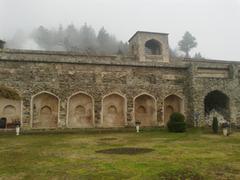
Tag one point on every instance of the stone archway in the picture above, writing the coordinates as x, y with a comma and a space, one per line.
81, 111
172, 103
45, 108
10, 106
216, 103
145, 110
114, 110
153, 47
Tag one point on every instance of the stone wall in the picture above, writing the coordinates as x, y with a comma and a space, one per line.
137, 46
64, 74
201, 85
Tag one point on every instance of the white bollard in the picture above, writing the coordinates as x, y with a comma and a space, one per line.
137, 128
17, 130
225, 131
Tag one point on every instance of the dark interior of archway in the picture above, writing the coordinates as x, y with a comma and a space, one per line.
152, 47
218, 101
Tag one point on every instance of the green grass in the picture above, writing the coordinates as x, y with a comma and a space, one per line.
191, 155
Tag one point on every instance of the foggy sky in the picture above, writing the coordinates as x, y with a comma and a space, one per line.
215, 23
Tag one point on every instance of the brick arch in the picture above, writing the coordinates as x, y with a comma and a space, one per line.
39, 101
145, 109
83, 118
114, 110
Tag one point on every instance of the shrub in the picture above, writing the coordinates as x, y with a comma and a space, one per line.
215, 125
176, 123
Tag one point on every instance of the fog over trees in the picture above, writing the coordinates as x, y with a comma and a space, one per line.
84, 39
70, 38
214, 23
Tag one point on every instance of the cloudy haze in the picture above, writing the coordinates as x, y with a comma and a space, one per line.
215, 23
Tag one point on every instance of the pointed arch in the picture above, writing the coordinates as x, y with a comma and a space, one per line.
45, 110
114, 110
145, 109
218, 101
10, 106
80, 110
153, 47
172, 103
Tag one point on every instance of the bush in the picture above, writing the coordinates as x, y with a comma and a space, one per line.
215, 125
176, 123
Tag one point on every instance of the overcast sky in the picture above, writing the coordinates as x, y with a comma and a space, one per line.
215, 23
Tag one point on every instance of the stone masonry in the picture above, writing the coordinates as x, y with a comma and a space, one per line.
71, 90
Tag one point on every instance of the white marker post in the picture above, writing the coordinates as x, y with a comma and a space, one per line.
138, 126
17, 130
18, 124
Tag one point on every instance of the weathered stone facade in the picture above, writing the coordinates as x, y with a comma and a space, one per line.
61, 89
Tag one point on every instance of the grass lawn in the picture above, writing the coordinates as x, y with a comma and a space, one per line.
191, 155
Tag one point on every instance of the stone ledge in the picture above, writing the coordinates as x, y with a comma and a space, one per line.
42, 57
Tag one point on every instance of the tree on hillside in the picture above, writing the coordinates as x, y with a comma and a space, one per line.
17, 40
44, 38
83, 39
187, 43
122, 48
88, 39
174, 53
198, 56
107, 42
71, 38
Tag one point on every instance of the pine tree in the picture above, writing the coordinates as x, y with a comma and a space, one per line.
187, 43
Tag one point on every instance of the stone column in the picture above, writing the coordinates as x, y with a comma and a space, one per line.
195, 104
130, 112
233, 110
160, 109
26, 112
233, 73
98, 112
62, 114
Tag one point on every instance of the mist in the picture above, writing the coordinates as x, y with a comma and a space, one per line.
214, 23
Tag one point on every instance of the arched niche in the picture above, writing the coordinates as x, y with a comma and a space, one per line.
114, 110
153, 47
45, 110
80, 111
217, 101
145, 110
172, 104
10, 105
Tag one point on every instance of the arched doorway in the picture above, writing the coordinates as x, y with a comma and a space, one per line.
216, 103
10, 106
113, 110
80, 111
152, 47
145, 110
45, 108
172, 104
